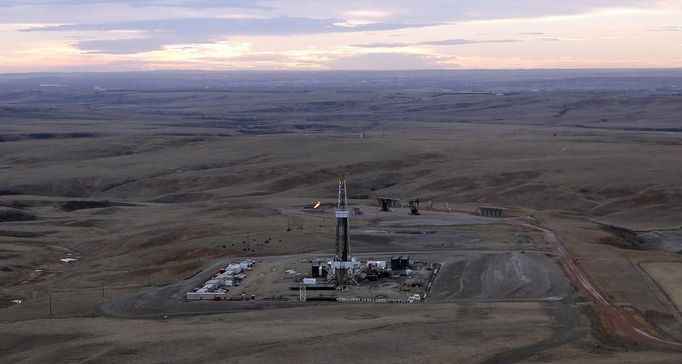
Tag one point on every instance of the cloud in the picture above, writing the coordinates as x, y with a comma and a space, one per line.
260, 61
387, 61
455, 42
446, 42
195, 33
464, 10
198, 30
383, 45
245, 26
126, 46
247, 4
665, 29
255, 57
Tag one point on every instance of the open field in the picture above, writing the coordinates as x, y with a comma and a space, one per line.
430, 333
146, 193
669, 276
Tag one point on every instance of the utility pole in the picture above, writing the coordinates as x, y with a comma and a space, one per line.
50, 305
102, 288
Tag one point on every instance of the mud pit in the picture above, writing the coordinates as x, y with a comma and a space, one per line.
499, 277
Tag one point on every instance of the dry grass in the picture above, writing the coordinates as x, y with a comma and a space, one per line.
183, 191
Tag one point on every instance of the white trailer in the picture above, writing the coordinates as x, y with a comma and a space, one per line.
212, 296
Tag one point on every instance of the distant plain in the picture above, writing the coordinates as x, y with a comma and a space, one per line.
153, 176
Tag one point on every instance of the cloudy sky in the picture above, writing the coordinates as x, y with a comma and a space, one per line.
115, 35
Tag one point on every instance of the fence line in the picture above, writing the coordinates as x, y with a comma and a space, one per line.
370, 300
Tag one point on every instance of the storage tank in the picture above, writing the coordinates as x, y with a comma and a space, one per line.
317, 271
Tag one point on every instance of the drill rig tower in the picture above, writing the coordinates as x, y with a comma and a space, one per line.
342, 266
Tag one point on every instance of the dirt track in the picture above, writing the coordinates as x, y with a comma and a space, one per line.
616, 320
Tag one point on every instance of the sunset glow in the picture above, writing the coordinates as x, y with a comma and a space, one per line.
101, 35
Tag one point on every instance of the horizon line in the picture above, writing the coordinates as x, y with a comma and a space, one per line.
350, 70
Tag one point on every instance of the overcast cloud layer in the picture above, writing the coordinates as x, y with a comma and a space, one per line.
383, 34
143, 3
198, 30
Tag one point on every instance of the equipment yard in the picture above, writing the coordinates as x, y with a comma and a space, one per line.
431, 265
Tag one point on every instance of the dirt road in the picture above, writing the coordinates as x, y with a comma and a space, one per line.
616, 320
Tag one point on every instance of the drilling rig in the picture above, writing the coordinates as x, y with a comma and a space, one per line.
342, 265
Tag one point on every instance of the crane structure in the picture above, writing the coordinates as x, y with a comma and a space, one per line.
343, 271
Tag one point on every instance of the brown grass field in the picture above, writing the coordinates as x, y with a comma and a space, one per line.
147, 188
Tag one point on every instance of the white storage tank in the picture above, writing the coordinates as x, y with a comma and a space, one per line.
377, 264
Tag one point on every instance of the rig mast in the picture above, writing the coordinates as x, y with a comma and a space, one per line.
343, 263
